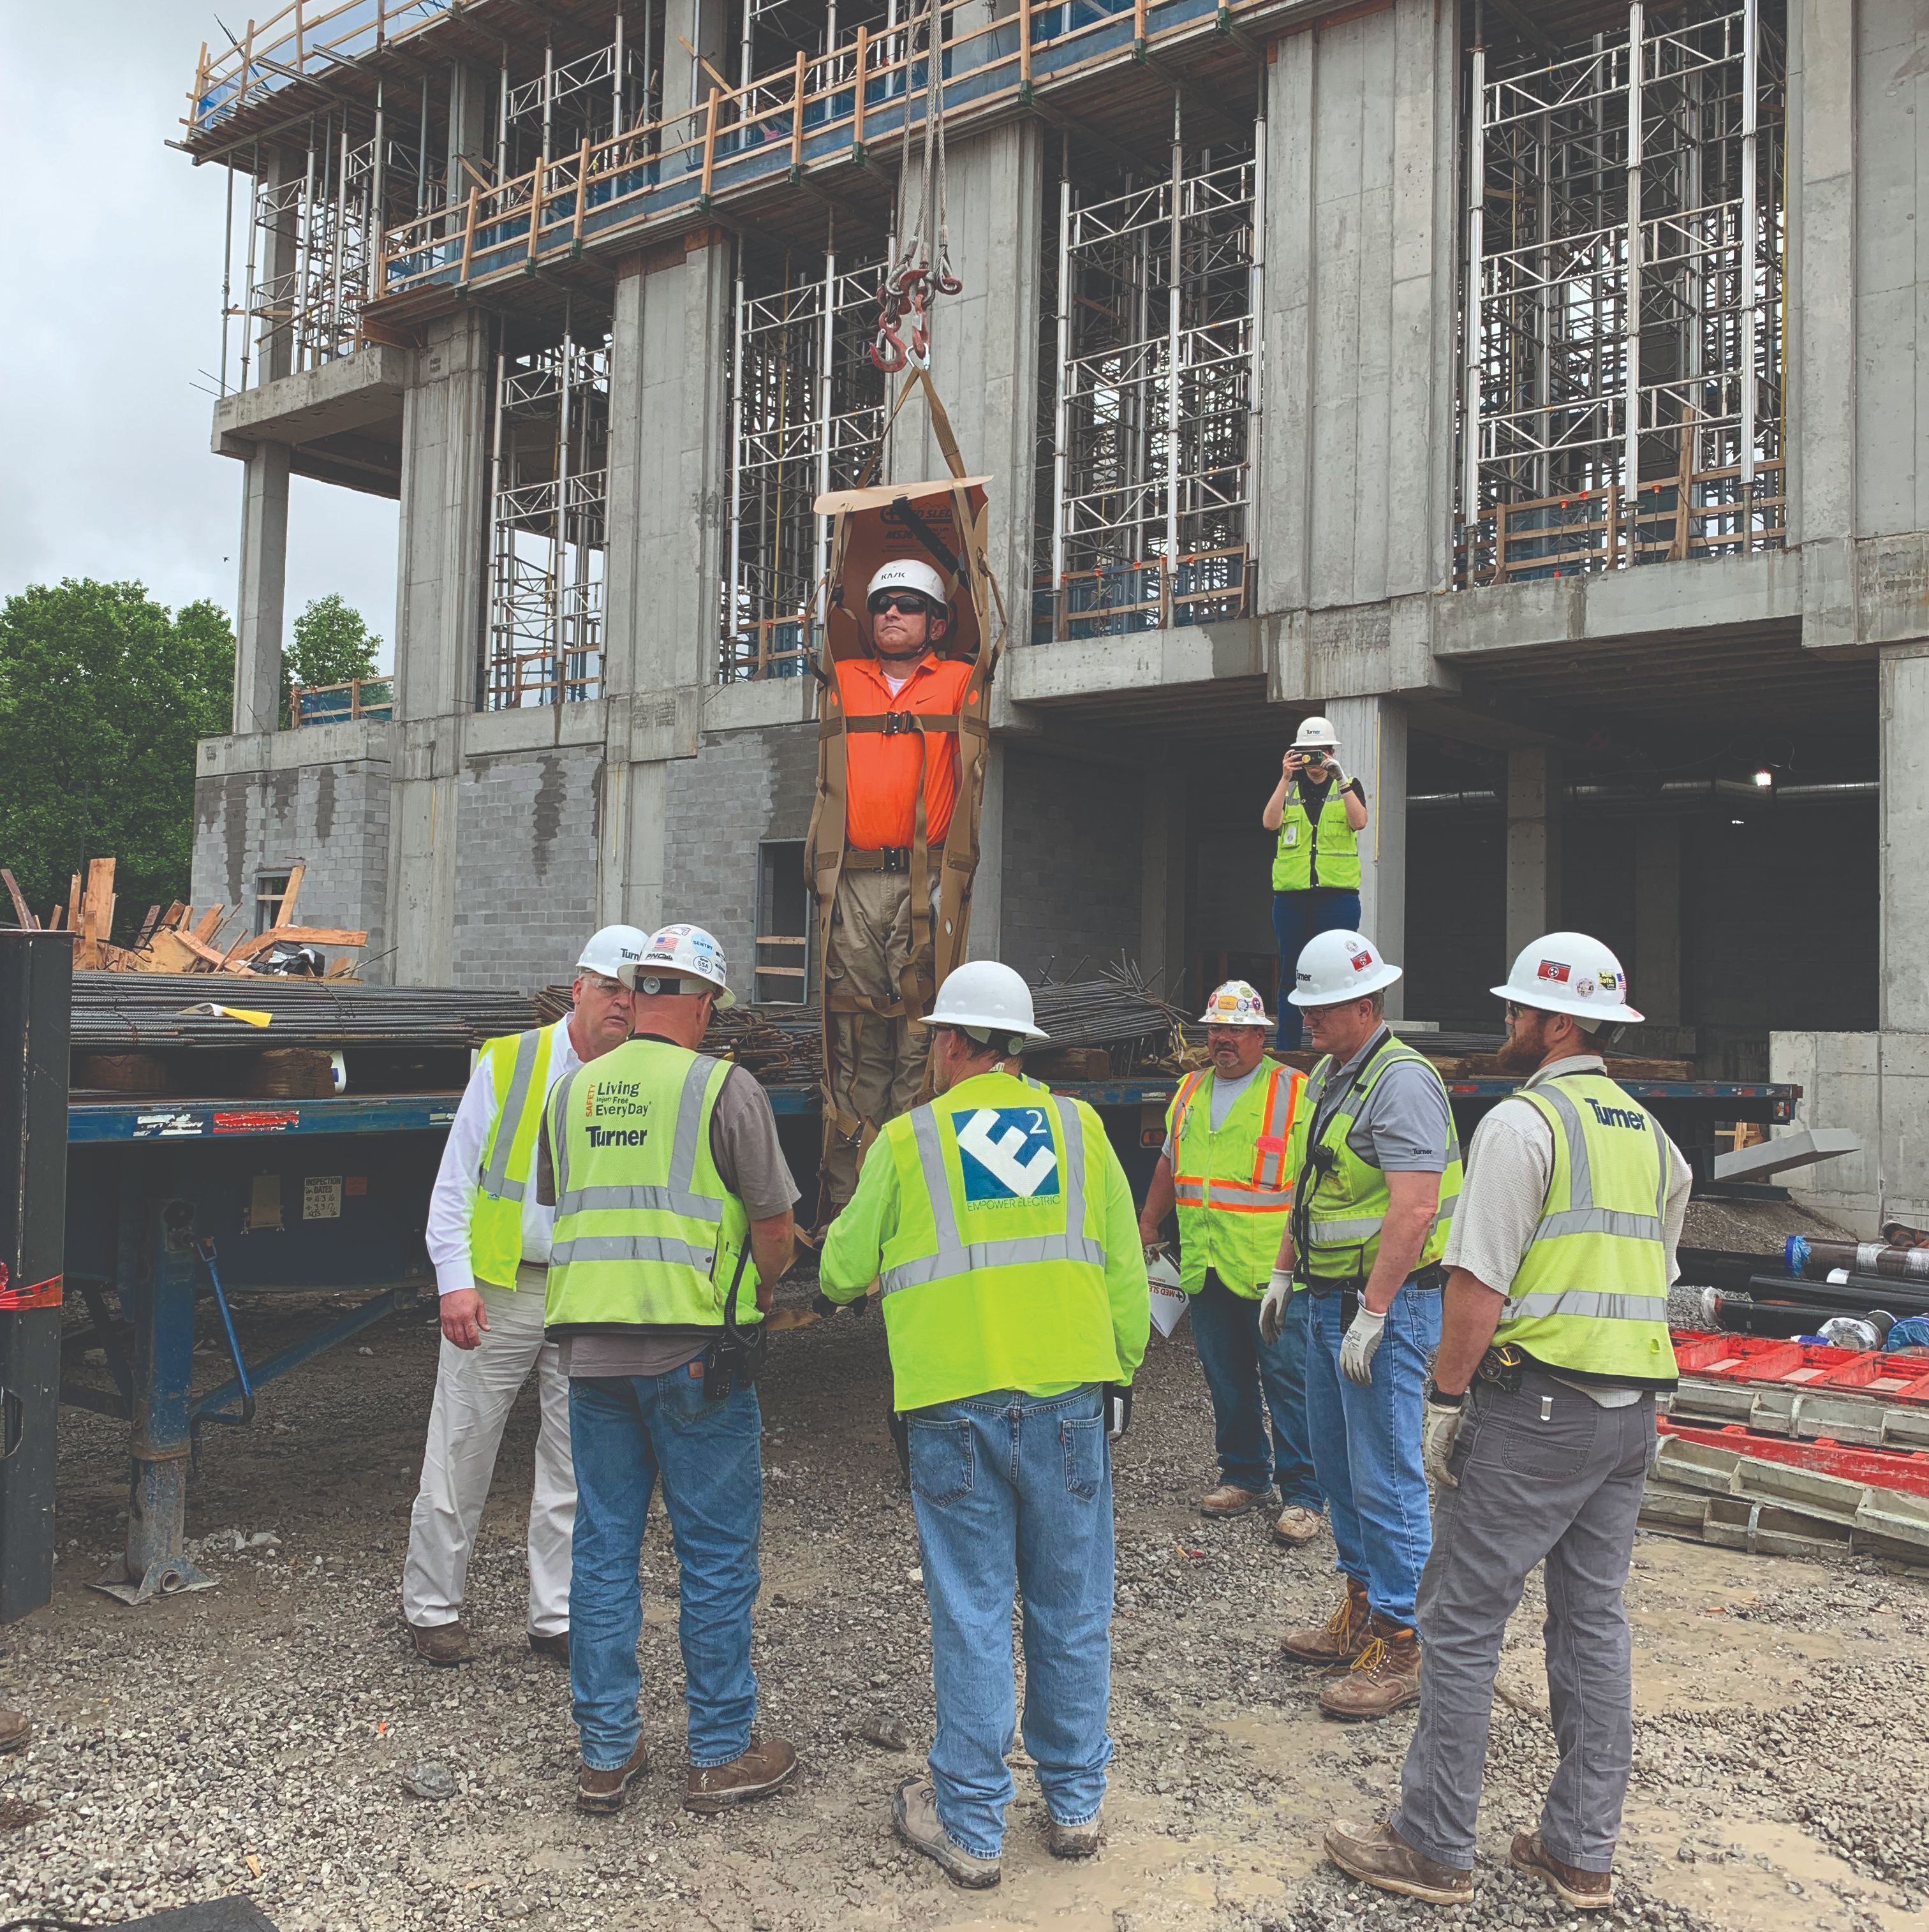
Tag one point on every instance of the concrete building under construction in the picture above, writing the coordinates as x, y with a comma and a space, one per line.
1530, 385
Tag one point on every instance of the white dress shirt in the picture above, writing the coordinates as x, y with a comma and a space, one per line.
448, 1231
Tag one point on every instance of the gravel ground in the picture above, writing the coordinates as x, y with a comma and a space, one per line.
253, 1737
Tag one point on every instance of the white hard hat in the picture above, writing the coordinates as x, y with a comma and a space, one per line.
1235, 1004
1337, 966
983, 996
1315, 731
909, 573
609, 951
1569, 973
673, 955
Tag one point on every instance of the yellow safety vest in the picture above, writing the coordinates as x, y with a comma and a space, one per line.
646, 1233
1233, 1184
1591, 1295
1325, 852
519, 1065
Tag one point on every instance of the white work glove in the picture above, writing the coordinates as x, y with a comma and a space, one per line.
1362, 1342
1273, 1305
1439, 1430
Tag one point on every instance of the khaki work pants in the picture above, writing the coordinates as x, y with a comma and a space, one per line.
876, 1065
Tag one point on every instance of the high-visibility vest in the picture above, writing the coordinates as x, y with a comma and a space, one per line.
1321, 852
519, 1066
646, 1233
1232, 1183
1591, 1293
1341, 1210
994, 1276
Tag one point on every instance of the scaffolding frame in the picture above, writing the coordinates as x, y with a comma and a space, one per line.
807, 408
548, 525
1155, 398
1621, 357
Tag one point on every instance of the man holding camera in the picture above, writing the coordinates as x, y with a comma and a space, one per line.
1318, 813
669, 1188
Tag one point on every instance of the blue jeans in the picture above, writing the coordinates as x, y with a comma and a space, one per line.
1298, 917
1015, 1490
1365, 1446
1238, 1365
628, 1432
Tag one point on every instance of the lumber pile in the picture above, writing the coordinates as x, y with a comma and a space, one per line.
177, 940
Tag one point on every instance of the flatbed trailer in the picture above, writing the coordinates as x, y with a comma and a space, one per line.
171, 1200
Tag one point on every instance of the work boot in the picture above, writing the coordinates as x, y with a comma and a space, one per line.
1340, 1639
551, 1643
1377, 1855
1229, 1499
761, 1767
1585, 1891
1298, 1524
603, 1790
15, 1730
441, 1643
1074, 1841
915, 1819
1385, 1676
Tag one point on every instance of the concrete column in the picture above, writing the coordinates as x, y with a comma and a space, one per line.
1904, 675
985, 941
259, 601
1656, 968
1371, 733
712, 29
1162, 901
1533, 845
275, 286
473, 92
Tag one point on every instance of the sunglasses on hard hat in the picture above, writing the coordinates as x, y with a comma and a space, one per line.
906, 603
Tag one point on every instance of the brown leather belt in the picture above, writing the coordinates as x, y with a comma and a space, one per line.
883, 859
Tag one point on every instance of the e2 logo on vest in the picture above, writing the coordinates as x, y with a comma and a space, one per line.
1006, 1154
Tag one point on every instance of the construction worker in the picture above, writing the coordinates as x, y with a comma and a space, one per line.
1225, 1163
1380, 1169
1000, 1223
1318, 813
671, 1189
489, 1238
1540, 1422
901, 718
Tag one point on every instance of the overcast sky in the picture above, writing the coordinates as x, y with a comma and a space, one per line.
110, 322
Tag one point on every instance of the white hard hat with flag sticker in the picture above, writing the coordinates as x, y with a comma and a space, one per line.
1339, 965
681, 959
1235, 1004
1570, 973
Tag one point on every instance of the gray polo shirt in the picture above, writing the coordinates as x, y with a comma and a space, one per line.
1405, 1126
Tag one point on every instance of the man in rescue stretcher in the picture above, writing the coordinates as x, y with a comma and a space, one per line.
901, 706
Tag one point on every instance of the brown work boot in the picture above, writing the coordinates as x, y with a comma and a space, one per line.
15, 1730
1229, 1499
551, 1643
441, 1643
1585, 1891
1377, 1855
763, 1765
915, 1819
603, 1790
1298, 1524
1340, 1639
1384, 1676
1074, 1841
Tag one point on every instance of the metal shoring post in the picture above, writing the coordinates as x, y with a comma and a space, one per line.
378, 198
1255, 349
564, 588
502, 119
1470, 347
615, 86
336, 304
1631, 429
820, 550
227, 274
548, 98
499, 578
743, 51
1168, 588
734, 625
1060, 411
1543, 373
1745, 262
247, 279
696, 51
422, 151
297, 299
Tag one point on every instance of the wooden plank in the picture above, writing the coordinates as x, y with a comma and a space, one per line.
172, 951
148, 925
53, 920
98, 904
209, 924
27, 922
73, 904
297, 935
174, 914
285, 913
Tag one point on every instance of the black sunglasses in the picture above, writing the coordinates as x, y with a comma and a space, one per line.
907, 604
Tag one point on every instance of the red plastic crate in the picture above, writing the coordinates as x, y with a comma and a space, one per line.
1760, 1358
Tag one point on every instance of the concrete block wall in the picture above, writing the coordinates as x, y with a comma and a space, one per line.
1877, 1085
1072, 864
528, 825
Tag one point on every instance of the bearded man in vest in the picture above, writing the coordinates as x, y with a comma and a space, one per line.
1539, 1424
1318, 813
998, 1222
1379, 1170
489, 1238
672, 1225
1225, 1166
900, 747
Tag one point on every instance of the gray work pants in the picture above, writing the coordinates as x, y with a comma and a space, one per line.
1545, 1474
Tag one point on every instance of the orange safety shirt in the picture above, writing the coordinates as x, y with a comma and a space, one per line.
881, 769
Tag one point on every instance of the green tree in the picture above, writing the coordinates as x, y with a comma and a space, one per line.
103, 694
332, 644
